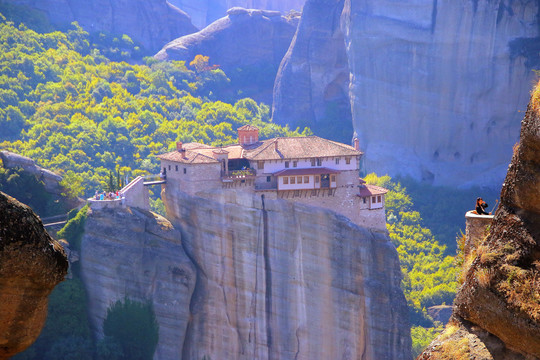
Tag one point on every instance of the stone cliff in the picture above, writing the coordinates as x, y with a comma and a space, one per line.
204, 12
31, 265
252, 41
273, 281
135, 254
434, 87
497, 309
150, 22
278, 280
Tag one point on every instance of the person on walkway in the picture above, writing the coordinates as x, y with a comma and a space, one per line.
481, 206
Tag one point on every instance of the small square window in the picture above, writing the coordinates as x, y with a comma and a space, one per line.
185, 170
373, 199
319, 162
306, 179
286, 164
260, 165
294, 163
312, 162
299, 179
285, 180
379, 199
347, 160
293, 179
337, 161
268, 178
169, 167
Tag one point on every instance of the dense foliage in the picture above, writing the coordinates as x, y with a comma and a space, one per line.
73, 231
429, 276
133, 326
73, 110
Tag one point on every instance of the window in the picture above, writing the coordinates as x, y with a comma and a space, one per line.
176, 167
299, 179
333, 178
164, 170
286, 164
337, 161
347, 160
373, 199
268, 178
379, 199
260, 164
293, 180
250, 139
312, 162
364, 198
185, 170
294, 163
319, 162
317, 179
306, 179
285, 180
169, 167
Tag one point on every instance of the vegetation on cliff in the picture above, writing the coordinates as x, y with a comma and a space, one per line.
73, 110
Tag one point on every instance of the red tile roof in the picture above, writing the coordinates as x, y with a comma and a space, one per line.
287, 148
370, 190
306, 171
188, 157
248, 127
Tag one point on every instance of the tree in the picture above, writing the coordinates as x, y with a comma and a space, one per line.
133, 325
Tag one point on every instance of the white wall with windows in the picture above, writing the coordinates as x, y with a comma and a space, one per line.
338, 163
304, 182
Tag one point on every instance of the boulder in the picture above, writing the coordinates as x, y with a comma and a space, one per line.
31, 265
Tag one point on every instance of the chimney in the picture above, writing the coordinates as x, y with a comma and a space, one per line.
179, 146
356, 144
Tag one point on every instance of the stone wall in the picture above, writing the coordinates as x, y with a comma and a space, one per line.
476, 230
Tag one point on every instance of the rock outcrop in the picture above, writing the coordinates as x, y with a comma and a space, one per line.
278, 280
139, 255
204, 12
252, 41
498, 306
31, 264
434, 86
50, 179
150, 22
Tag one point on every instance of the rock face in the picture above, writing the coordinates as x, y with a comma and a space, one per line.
204, 12
31, 264
278, 280
252, 40
283, 281
49, 178
150, 22
434, 85
500, 296
134, 254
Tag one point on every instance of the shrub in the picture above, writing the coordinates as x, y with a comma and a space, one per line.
133, 325
73, 231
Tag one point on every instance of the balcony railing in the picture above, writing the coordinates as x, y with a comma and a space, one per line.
238, 174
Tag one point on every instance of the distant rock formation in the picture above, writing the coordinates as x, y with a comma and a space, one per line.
31, 264
49, 178
434, 87
496, 311
253, 41
279, 282
150, 22
204, 12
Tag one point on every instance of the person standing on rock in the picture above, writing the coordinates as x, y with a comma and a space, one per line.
481, 206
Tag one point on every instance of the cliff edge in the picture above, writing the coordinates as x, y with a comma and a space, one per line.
31, 264
497, 309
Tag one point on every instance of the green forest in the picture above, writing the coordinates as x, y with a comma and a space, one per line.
72, 102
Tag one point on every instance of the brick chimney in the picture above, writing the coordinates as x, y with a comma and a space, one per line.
357, 144
179, 146
248, 135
